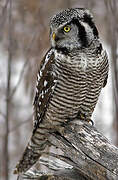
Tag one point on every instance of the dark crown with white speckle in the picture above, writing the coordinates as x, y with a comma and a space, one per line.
67, 15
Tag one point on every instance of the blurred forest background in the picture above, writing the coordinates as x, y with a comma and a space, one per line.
24, 39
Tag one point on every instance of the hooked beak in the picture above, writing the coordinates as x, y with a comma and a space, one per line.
54, 36
54, 39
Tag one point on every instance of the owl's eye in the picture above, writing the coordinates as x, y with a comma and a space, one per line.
67, 28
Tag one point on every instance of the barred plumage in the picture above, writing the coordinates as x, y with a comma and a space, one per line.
70, 79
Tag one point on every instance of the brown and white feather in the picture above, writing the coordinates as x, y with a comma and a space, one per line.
70, 79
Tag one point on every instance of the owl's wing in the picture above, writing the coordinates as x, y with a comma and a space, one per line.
105, 81
46, 82
105, 68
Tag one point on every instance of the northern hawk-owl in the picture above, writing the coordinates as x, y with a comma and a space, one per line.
69, 81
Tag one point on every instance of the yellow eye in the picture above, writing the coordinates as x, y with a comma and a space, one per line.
66, 28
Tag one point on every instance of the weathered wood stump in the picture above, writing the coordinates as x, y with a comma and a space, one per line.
89, 154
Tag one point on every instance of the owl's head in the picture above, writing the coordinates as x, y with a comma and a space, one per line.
72, 29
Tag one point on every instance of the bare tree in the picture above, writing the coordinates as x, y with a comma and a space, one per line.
6, 138
112, 19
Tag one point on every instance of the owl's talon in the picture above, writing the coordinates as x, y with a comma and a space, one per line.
61, 131
90, 121
81, 116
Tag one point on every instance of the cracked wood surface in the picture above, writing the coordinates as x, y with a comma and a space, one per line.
88, 151
90, 154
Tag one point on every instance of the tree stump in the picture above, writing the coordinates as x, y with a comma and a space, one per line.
88, 154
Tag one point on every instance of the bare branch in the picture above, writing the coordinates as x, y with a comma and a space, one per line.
2, 114
6, 138
4, 14
20, 124
24, 66
112, 9
112, 19
19, 80
17, 126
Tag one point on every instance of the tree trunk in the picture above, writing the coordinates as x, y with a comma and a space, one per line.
6, 137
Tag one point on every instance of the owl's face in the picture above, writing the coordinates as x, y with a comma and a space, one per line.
72, 29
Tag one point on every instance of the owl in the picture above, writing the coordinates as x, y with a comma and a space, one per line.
71, 76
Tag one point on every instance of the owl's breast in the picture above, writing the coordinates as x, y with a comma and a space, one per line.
96, 71
70, 90
79, 82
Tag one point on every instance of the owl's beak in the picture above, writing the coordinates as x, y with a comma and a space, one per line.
53, 36
54, 39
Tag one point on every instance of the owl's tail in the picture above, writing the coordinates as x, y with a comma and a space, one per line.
31, 154
28, 159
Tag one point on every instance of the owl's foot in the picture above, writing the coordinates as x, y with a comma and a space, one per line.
61, 130
58, 129
82, 116
90, 121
